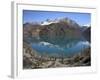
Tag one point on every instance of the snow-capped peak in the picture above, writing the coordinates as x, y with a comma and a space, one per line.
88, 25
46, 23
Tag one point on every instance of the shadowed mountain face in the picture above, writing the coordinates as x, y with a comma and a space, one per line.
62, 32
87, 34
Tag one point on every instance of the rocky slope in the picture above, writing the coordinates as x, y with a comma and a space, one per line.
87, 34
33, 60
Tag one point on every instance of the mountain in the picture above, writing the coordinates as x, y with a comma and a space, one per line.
61, 31
87, 34
57, 31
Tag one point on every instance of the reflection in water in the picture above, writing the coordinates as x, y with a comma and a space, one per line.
56, 47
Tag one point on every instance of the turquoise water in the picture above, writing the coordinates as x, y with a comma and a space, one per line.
67, 49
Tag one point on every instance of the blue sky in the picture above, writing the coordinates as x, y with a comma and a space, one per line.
38, 16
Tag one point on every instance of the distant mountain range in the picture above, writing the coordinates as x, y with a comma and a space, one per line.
58, 30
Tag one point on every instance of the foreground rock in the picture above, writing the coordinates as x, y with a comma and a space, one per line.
32, 59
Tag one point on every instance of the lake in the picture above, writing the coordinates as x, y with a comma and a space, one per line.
63, 48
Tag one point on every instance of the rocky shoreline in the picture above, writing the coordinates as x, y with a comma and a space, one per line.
33, 60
